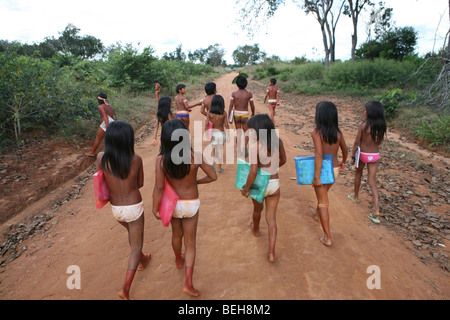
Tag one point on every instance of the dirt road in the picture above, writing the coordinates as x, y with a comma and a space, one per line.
231, 263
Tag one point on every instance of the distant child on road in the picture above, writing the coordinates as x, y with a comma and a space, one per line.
218, 117
210, 90
107, 116
273, 93
164, 114
328, 139
183, 178
240, 100
124, 175
183, 107
369, 137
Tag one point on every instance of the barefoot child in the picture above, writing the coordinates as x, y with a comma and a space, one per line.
218, 117
240, 100
183, 178
183, 108
164, 113
157, 90
274, 98
270, 156
370, 135
327, 138
107, 116
124, 177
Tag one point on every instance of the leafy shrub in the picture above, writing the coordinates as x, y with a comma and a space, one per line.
391, 101
436, 131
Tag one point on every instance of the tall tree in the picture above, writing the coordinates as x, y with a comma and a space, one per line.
353, 10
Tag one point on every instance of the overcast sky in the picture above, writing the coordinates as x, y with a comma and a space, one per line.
199, 23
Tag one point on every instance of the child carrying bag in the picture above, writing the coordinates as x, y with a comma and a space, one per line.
101, 190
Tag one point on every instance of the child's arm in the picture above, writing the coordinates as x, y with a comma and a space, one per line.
159, 187
99, 161
225, 120
252, 105
231, 104
318, 158
267, 94
250, 179
210, 173
344, 149
282, 152
141, 173
278, 97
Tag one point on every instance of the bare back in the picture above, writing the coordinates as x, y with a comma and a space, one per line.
124, 192
219, 120
241, 99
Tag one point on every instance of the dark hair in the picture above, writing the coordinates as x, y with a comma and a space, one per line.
210, 88
179, 87
176, 171
217, 104
104, 99
274, 81
260, 122
376, 121
163, 113
119, 149
241, 82
327, 121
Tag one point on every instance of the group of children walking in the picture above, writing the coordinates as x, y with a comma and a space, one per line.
124, 175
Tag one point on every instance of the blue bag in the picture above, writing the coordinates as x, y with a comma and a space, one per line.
304, 167
259, 186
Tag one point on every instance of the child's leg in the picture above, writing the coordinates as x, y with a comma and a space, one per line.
177, 241
190, 238
323, 204
256, 217
373, 167
136, 239
272, 111
271, 218
357, 180
98, 139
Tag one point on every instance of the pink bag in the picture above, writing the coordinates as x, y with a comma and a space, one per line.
100, 189
168, 203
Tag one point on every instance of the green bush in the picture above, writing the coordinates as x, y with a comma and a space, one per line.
436, 131
392, 100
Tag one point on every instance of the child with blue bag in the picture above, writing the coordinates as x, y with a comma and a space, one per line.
269, 152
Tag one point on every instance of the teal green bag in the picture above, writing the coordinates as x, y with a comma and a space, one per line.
259, 186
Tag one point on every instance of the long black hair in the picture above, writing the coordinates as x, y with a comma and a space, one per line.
327, 121
164, 109
261, 122
217, 104
119, 149
376, 121
176, 171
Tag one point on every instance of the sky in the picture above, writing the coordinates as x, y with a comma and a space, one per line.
196, 24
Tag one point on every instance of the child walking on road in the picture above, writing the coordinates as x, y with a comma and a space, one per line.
273, 93
124, 175
164, 114
369, 137
327, 138
270, 150
218, 117
183, 178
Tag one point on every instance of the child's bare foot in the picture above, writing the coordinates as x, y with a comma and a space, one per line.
191, 291
89, 154
124, 296
271, 257
254, 230
145, 258
179, 260
326, 241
